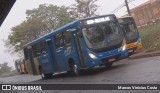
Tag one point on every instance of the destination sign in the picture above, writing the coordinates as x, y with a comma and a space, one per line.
98, 20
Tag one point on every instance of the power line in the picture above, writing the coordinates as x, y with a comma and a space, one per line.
120, 7
133, 4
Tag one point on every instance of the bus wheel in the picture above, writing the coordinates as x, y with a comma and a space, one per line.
45, 76
108, 65
74, 70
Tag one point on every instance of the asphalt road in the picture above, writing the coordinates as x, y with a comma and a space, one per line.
136, 71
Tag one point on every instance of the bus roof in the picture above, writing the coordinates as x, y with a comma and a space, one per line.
125, 17
67, 26
54, 32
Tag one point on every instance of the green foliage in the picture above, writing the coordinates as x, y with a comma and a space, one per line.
25, 32
47, 18
40, 21
150, 37
83, 9
51, 15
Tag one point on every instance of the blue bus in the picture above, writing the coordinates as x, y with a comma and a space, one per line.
82, 44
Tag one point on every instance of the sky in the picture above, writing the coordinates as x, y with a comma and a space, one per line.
17, 15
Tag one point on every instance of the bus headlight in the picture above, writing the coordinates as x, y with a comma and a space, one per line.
92, 56
123, 48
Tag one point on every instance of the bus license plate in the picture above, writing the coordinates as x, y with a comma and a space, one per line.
130, 50
112, 59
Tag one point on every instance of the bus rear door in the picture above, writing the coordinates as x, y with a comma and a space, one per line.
31, 60
59, 51
51, 57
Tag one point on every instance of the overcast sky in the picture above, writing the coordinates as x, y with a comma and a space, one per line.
17, 15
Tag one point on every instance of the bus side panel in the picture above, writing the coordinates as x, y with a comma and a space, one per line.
22, 68
66, 55
36, 65
28, 67
46, 65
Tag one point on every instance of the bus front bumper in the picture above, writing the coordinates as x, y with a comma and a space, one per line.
139, 47
134, 47
106, 60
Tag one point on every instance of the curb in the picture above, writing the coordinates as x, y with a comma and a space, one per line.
144, 55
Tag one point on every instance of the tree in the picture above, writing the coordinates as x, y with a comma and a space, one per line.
39, 22
4, 68
83, 9
52, 15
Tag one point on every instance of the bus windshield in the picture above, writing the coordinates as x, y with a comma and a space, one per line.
102, 36
131, 32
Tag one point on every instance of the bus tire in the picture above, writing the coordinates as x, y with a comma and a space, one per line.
74, 70
45, 76
108, 65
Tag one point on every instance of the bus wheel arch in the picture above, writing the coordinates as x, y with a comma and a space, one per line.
44, 76
73, 67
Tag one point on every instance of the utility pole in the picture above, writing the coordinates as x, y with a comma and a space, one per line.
129, 13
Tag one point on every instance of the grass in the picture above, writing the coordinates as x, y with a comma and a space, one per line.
151, 37
11, 73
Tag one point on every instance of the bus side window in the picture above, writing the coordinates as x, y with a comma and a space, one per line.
39, 49
43, 49
34, 50
67, 38
59, 41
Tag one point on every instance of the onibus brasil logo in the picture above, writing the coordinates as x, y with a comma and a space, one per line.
21, 87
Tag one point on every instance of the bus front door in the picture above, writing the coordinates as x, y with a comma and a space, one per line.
59, 52
80, 49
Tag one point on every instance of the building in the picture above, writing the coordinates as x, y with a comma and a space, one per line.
147, 12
